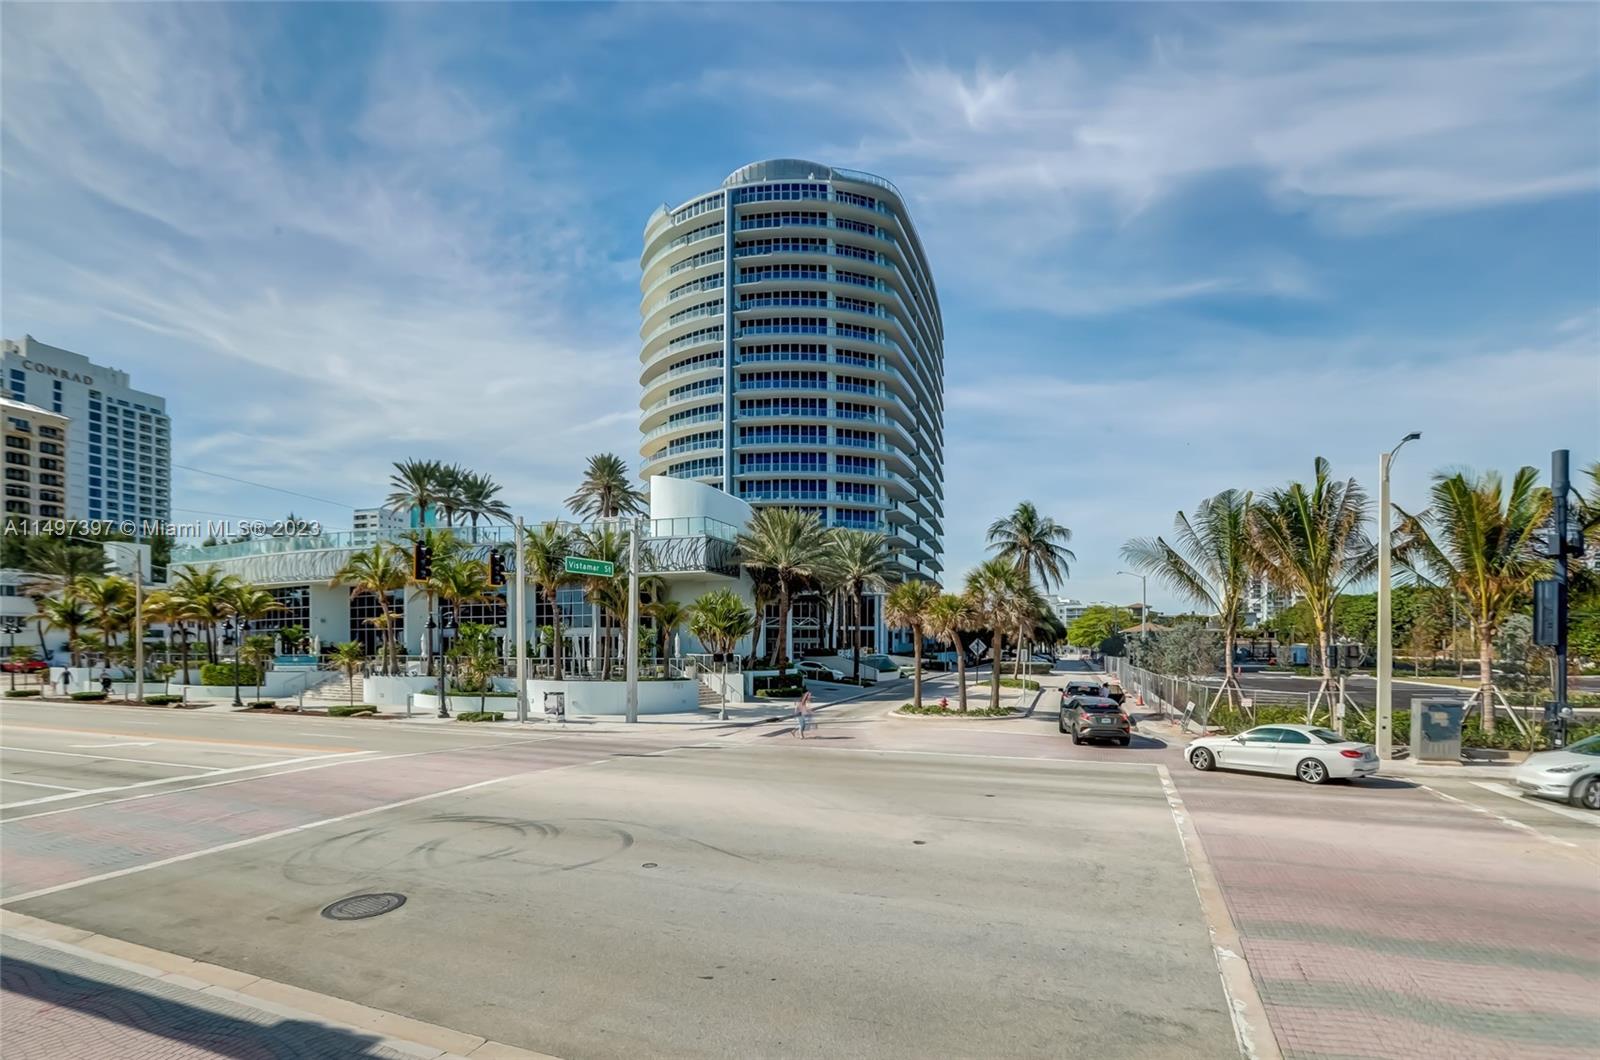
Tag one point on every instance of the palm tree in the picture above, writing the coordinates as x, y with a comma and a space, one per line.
607, 595
1024, 608
719, 620
174, 611
479, 501
669, 615
907, 605
379, 571
1036, 544
257, 650
67, 613
1481, 542
606, 491
993, 587
249, 603
948, 617
460, 580
349, 657
109, 600
206, 592
451, 484
1210, 563
1313, 540
794, 546
860, 562
544, 554
49, 564
415, 484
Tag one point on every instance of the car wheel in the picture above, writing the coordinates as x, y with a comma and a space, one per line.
1124, 741
1076, 738
1061, 723
1311, 771
1202, 759
1587, 794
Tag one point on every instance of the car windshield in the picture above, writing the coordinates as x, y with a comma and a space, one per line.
1589, 745
1328, 736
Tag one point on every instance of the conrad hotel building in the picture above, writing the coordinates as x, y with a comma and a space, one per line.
793, 352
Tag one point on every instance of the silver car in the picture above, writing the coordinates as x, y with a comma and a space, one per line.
1571, 774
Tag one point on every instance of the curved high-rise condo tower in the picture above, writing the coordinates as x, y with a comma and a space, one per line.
793, 352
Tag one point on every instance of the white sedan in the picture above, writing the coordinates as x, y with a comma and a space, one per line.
815, 671
1571, 774
1305, 751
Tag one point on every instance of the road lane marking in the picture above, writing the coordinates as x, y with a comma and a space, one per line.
1591, 819
103, 758
36, 784
236, 844
1251, 1030
173, 780
131, 743
1502, 818
1003, 758
167, 739
325, 735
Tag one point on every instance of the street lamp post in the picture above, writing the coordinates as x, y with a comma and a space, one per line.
1385, 711
444, 702
228, 641
13, 626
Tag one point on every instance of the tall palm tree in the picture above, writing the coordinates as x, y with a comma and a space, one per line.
1481, 542
993, 588
206, 590
607, 595
451, 484
1025, 608
669, 615
544, 553
719, 620
861, 563
174, 611
948, 617
1210, 560
793, 546
1036, 544
907, 605
67, 613
48, 565
109, 600
349, 657
1313, 540
416, 484
478, 495
379, 571
606, 491
249, 603
459, 580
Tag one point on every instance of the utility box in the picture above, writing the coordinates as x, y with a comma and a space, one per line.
1436, 729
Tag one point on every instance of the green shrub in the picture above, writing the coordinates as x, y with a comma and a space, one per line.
87, 696
218, 674
350, 710
479, 715
263, 704
486, 695
161, 699
21, 693
781, 692
1012, 682
955, 712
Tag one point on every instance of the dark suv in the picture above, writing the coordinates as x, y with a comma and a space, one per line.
1095, 718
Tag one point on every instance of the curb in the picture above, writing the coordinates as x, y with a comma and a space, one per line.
402, 1033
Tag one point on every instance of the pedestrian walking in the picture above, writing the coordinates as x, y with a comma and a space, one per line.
804, 716
66, 682
105, 681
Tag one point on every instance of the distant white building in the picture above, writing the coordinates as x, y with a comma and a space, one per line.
375, 525
1067, 609
1263, 602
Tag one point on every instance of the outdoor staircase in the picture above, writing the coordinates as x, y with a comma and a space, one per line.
334, 692
709, 697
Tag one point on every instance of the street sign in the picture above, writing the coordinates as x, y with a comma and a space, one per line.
594, 568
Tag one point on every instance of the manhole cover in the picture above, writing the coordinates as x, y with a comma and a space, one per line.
362, 906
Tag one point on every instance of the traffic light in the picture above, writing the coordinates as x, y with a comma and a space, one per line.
497, 568
421, 562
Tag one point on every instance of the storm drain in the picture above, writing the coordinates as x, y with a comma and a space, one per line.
363, 906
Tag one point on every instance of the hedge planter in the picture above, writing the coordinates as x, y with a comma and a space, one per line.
934, 710
162, 700
88, 697
352, 710
22, 693
480, 715
218, 675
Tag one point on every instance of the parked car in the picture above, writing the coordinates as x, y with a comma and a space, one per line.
815, 671
1095, 718
1079, 688
1305, 751
26, 666
1116, 693
1571, 774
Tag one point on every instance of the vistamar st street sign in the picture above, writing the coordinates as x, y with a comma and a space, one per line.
594, 568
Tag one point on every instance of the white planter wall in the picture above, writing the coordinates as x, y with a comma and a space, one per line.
611, 697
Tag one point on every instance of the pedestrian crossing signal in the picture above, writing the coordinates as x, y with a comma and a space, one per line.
497, 568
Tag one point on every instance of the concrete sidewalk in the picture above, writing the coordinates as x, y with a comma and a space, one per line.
70, 993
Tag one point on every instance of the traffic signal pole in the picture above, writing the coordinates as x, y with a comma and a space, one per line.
521, 627
1560, 488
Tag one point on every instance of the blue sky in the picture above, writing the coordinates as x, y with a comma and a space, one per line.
1178, 248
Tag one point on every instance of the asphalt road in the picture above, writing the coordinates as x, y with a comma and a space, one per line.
896, 887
